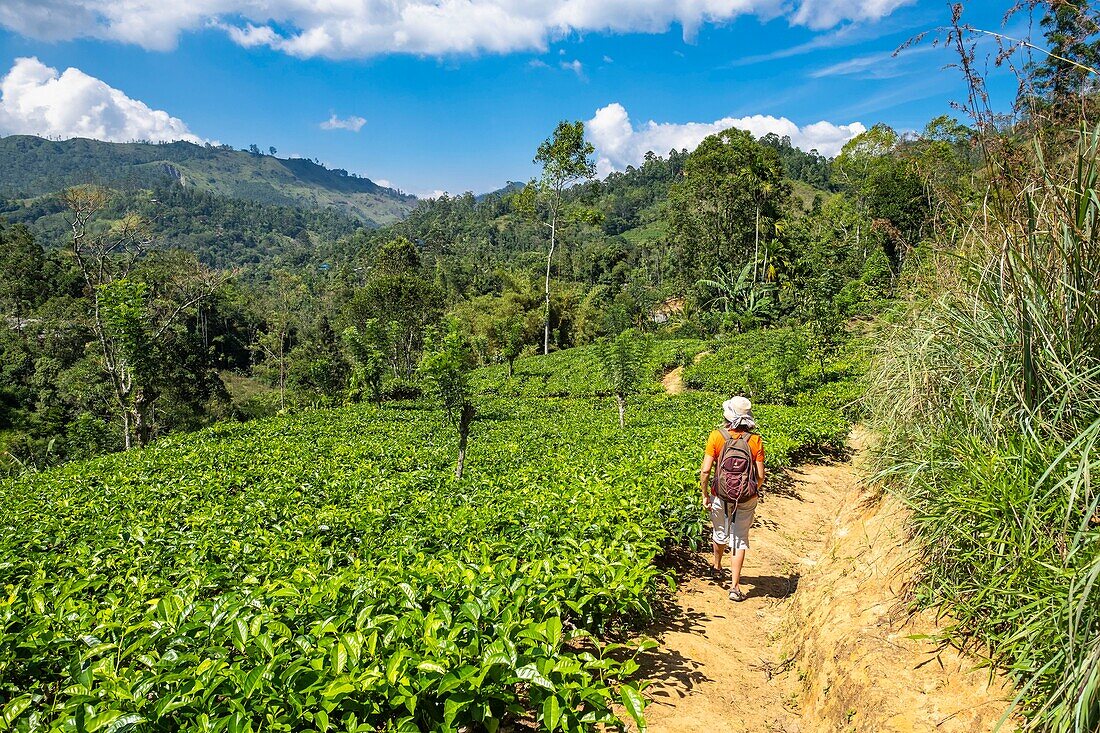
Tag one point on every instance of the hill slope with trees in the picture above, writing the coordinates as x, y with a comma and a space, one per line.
31, 166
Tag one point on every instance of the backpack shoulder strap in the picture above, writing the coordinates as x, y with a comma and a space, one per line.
725, 434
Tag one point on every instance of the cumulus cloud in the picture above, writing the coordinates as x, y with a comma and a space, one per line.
36, 100
620, 143
360, 28
351, 123
821, 14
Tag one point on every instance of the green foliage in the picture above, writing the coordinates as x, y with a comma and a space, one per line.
444, 369
1072, 32
205, 584
122, 303
318, 366
987, 394
578, 372
731, 195
366, 349
745, 303
623, 363
34, 167
402, 300
24, 270
807, 166
566, 156
874, 169
765, 366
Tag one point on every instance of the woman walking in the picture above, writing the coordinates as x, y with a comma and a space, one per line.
736, 455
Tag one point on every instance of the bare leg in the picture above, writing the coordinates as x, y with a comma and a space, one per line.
719, 551
737, 561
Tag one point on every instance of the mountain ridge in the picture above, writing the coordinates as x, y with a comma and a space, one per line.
33, 166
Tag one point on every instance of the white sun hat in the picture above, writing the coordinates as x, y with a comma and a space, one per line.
738, 412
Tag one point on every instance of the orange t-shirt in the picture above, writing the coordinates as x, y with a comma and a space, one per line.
715, 443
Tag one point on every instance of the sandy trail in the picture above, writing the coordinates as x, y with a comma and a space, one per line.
673, 382
822, 643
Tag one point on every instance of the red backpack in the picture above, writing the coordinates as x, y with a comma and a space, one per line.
735, 476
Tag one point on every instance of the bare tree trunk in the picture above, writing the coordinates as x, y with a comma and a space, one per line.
282, 379
756, 251
549, 256
464, 421
622, 410
143, 427
125, 429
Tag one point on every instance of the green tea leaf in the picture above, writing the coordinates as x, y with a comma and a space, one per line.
634, 704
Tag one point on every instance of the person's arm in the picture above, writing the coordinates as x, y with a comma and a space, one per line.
758, 455
704, 478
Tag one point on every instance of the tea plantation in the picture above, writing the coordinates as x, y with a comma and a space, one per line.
325, 571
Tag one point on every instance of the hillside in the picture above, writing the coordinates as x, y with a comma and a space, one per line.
31, 166
221, 231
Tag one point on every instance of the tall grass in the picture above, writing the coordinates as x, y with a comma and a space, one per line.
988, 400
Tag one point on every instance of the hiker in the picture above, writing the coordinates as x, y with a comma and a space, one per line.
737, 455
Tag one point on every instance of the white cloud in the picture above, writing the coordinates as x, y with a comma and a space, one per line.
619, 143
36, 100
351, 123
361, 28
575, 66
821, 14
884, 65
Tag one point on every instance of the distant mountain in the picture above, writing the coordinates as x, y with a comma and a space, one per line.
510, 187
31, 166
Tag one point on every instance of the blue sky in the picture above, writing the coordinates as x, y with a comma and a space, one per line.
461, 102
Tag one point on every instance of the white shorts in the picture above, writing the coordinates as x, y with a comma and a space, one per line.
732, 530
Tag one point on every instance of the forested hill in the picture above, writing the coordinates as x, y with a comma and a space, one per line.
31, 166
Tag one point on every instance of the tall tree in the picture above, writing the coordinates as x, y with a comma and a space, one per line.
732, 191
1072, 32
366, 348
131, 318
280, 302
875, 170
444, 369
404, 301
23, 270
566, 159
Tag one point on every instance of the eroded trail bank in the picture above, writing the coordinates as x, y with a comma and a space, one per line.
823, 642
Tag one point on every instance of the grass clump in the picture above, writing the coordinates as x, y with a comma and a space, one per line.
987, 396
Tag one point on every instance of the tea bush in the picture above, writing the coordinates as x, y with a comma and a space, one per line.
576, 372
325, 571
779, 366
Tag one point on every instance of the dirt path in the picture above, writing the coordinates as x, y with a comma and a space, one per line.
822, 643
674, 381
